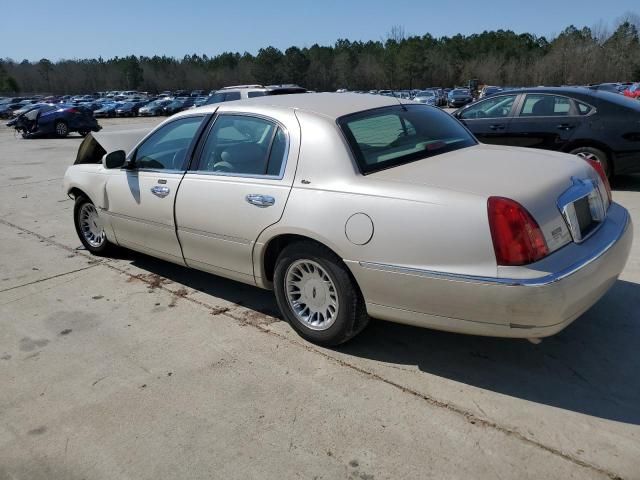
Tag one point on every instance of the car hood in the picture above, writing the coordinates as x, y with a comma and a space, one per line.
95, 145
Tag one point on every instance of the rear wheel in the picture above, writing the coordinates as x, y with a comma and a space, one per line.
590, 153
89, 226
61, 128
317, 295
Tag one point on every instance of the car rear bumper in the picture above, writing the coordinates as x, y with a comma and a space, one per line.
531, 307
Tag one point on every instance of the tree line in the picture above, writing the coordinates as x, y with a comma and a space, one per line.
503, 57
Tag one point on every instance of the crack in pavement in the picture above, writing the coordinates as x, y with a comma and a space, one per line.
50, 278
466, 414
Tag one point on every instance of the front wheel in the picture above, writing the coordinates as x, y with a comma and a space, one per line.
89, 227
317, 295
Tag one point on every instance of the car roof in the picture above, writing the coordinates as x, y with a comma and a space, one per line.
331, 105
559, 90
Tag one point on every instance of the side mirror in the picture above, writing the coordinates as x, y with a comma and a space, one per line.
114, 159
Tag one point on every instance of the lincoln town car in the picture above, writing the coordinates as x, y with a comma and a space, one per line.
352, 207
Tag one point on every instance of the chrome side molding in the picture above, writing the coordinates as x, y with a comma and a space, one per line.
512, 282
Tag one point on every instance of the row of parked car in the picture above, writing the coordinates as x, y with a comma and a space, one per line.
131, 103
460, 96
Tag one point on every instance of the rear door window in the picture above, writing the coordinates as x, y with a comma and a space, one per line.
244, 145
542, 105
583, 108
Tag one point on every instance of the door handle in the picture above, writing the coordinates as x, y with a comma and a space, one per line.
160, 191
259, 200
498, 126
565, 126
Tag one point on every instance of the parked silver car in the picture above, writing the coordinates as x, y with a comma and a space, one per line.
351, 206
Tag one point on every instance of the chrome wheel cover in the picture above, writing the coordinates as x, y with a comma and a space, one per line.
311, 294
91, 226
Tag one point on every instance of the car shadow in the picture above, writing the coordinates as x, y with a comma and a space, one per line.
626, 183
591, 367
254, 298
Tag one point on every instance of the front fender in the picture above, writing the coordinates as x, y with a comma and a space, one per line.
91, 180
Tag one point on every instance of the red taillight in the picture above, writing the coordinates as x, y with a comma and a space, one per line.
597, 166
517, 238
72, 110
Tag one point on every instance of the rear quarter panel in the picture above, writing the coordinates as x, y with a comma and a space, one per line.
413, 226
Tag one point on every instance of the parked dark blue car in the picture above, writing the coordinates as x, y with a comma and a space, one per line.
58, 120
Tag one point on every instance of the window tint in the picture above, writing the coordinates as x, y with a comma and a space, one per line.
494, 107
231, 96
537, 105
256, 94
243, 145
278, 151
390, 136
167, 148
583, 108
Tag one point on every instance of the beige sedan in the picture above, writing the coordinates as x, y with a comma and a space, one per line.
355, 206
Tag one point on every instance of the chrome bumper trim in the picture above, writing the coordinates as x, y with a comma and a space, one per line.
510, 282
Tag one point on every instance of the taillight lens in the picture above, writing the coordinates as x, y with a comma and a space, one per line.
517, 238
597, 166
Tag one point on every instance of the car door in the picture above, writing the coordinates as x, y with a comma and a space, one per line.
544, 121
238, 187
140, 198
489, 119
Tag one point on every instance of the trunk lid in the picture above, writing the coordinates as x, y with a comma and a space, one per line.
533, 178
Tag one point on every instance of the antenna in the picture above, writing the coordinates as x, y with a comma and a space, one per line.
393, 94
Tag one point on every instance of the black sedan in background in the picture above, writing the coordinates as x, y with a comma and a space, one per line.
178, 105
107, 110
595, 124
459, 97
130, 109
154, 108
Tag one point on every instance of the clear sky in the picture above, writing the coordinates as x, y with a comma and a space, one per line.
34, 29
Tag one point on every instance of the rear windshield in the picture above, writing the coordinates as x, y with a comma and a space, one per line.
391, 136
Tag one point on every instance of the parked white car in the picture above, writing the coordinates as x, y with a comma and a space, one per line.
355, 206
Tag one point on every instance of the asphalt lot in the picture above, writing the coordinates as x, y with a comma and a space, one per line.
130, 367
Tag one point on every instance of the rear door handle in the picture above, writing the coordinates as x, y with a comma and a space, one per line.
259, 200
565, 126
160, 191
499, 126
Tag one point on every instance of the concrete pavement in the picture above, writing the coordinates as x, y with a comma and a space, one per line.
130, 367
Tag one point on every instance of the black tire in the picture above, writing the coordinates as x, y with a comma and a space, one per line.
598, 154
61, 128
352, 316
100, 250
83, 133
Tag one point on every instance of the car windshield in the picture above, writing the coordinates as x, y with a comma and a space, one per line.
460, 92
390, 136
425, 93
